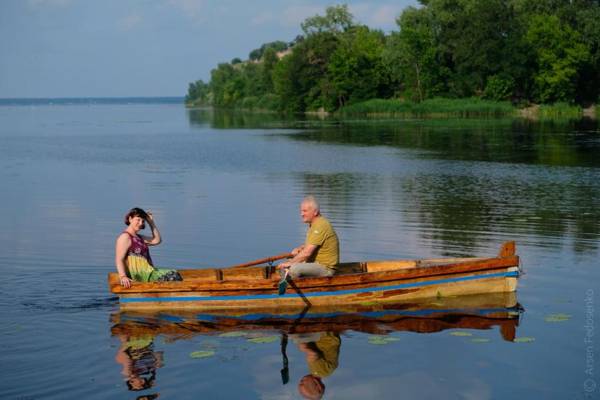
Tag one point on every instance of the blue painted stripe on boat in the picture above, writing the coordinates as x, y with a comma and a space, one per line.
316, 294
372, 314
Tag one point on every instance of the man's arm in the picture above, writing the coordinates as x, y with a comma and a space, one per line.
304, 254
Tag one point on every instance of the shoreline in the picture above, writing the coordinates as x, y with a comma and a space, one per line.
452, 108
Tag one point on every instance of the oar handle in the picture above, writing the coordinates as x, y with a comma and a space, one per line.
263, 260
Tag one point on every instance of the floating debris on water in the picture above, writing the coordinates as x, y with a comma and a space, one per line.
557, 317
480, 340
461, 333
524, 339
264, 339
233, 334
202, 354
382, 340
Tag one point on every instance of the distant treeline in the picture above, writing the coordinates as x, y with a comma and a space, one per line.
523, 51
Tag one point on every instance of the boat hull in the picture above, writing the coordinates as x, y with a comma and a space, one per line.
370, 282
494, 281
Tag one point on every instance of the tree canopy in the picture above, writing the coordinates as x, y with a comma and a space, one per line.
540, 51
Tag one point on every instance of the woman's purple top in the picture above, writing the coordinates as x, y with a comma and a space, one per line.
139, 248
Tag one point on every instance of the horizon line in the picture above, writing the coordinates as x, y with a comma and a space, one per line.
90, 97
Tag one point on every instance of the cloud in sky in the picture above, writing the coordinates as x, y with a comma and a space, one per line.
52, 3
293, 15
191, 8
129, 22
64, 48
381, 16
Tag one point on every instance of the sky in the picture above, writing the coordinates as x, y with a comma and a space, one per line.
121, 48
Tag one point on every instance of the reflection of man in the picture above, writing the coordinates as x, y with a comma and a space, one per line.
319, 255
322, 352
139, 361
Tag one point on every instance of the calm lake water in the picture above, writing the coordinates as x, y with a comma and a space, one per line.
225, 188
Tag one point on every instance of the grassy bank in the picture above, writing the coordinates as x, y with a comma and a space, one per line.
431, 108
559, 111
437, 107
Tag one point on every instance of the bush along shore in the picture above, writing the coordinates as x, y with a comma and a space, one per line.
535, 58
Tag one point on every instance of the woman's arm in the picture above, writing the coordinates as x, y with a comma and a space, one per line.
123, 243
155, 239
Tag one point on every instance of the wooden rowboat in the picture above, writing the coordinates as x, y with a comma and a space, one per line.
364, 283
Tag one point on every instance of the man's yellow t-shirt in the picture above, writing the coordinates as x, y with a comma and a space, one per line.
329, 349
321, 234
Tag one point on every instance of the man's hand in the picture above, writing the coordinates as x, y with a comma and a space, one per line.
284, 265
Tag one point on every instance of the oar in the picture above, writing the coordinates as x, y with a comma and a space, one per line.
283, 282
287, 280
285, 371
263, 260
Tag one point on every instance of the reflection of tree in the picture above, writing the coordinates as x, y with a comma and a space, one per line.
338, 194
503, 140
460, 210
461, 206
232, 119
450, 210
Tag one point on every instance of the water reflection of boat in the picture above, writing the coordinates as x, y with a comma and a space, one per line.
355, 283
465, 312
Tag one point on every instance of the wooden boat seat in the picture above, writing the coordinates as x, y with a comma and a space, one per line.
378, 266
243, 274
350, 268
202, 275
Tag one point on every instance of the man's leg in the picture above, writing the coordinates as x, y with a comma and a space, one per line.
309, 269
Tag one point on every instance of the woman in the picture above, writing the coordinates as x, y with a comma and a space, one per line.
132, 255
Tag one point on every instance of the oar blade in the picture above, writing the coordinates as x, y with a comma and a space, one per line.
282, 286
283, 283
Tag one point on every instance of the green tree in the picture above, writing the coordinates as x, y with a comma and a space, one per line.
300, 80
559, 53
198, 93
277, 46
269, 61
356, 69
472, 36
411, 54
337, 19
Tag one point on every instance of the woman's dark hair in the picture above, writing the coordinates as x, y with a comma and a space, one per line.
135, 212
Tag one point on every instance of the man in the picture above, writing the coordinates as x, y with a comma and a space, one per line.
322, 351
320, 254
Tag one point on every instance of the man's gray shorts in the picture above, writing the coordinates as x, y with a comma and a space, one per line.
309, 269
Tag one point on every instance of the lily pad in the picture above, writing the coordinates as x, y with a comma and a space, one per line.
461, 333
264, 339
202, 354
480, 340
557, 317
233, 334
524, 339
382, 340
